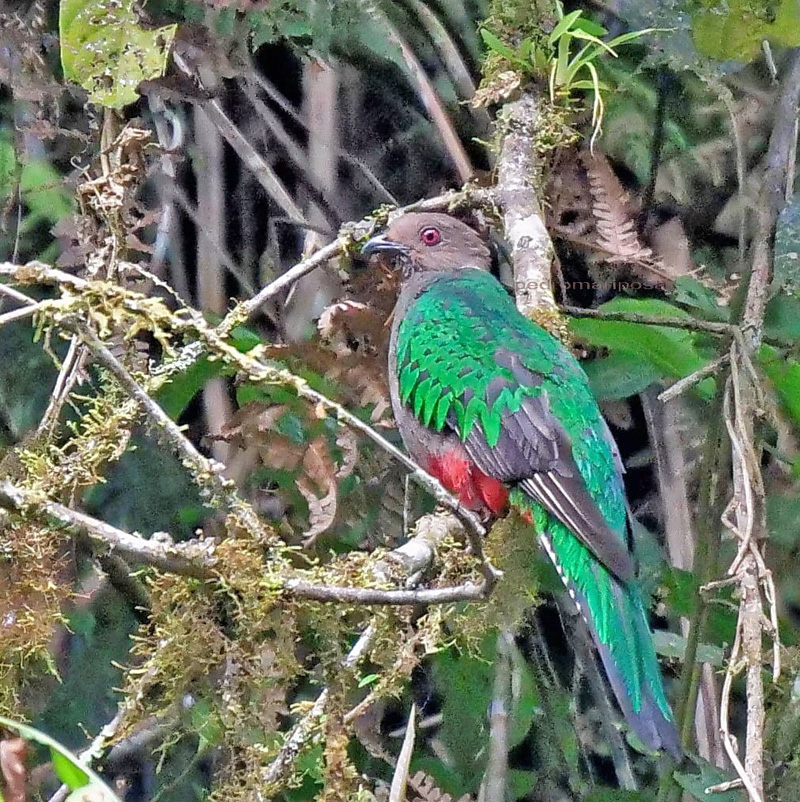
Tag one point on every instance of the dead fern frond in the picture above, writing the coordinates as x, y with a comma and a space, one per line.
614, 223
426, 790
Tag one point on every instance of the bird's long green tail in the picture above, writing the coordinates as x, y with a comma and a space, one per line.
617, 619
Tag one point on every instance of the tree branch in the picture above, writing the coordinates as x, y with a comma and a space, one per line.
107, 539
517, 173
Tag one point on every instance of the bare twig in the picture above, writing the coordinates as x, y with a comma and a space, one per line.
16, 295
745, 515
285, 139
304, 729
397, 792
771, 201
21, 313
246, 309
681, 386
688, 323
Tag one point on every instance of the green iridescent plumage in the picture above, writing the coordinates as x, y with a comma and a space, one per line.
467, 361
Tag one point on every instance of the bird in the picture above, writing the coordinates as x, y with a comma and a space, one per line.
501, 413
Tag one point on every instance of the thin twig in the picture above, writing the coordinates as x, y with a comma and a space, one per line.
246, 309
496, 776
688, 323
22, 312
16, 294
681, 386
304, 729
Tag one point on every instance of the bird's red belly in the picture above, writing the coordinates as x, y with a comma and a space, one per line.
474, 489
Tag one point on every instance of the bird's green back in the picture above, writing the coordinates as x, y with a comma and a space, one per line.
446, 359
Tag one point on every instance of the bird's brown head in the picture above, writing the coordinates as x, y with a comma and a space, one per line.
421, 242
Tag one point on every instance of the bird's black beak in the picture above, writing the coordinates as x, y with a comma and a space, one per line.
383, 245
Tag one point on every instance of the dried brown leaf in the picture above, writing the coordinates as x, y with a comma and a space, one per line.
348, 443
280, 453
319, 477
321, 510
351, 325
249, 424
318, 464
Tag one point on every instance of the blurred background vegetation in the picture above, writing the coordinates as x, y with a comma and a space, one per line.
272, 125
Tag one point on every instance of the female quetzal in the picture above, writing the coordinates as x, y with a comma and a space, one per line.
501, 412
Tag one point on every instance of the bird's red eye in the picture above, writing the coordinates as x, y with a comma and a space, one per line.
430, 236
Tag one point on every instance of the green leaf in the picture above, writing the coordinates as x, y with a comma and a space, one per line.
784, 375
563, 26
68, 771
615, 795
493, 43
631, 36
526, 701
670, 644
77, 776
207, 725
587, 37
672, 352
692, 293
466, 686
367, 680
708, 775
8, 165
736, 29
245, 339
520, 783
589, 26
782, 318
619, 375
178, 392
104, 49
44, 193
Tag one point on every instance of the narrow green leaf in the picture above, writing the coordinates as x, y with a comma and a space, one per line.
68, 771
587, 37
493, 43
563, 26
630, 36
589, 85
368, 680
590, 26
